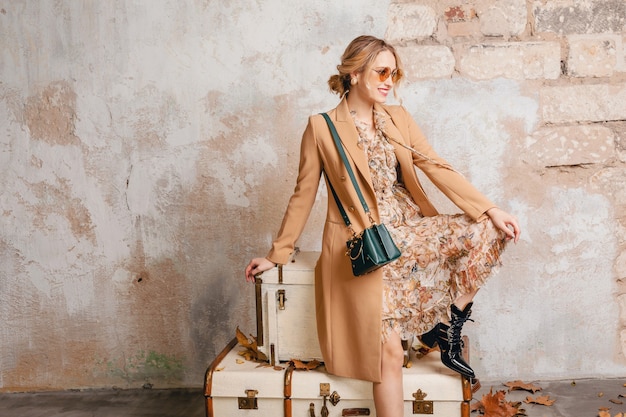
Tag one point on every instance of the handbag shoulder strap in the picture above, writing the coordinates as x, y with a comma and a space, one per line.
344, 158
344, 215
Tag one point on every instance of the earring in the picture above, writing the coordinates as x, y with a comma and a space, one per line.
353, 81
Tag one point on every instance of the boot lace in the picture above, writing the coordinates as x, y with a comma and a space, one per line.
454, 332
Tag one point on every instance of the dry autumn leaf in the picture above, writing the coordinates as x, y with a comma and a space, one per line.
543, 400
520, 385
616, 401
307, 366
603, 413
495, 405
252, 352
242, 339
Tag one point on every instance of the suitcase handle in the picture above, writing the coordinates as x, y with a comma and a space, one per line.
355, 412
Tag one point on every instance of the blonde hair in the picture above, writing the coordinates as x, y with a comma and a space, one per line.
357, 57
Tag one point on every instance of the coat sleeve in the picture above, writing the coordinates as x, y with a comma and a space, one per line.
302, 199
454, 185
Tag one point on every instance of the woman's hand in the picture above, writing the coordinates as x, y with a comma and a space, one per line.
256, 266
505, 222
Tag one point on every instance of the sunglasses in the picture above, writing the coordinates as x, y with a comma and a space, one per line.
384, 73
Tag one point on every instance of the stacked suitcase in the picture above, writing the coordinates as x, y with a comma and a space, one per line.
286, 330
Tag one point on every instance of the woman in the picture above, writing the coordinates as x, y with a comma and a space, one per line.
361, 321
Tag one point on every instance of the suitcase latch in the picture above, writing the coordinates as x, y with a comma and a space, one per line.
281, 299
249, 402
334, 398
420, 406
325, 393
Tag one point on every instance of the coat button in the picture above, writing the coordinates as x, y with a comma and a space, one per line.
351, 208
343, 178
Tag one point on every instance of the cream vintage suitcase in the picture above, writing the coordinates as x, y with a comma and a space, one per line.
234, 386
285, 310
429, 389
286, 330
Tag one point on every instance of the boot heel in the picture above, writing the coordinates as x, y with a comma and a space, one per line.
429, 339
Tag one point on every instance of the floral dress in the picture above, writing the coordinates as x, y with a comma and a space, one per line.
443, 256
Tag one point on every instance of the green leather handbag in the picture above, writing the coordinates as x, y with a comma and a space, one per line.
373, 247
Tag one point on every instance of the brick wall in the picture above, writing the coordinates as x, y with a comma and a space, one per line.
571, 54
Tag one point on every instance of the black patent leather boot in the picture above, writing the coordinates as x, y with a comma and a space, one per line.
429, 339
451, 344
449, 340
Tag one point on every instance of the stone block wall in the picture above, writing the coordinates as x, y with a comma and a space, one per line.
569, 58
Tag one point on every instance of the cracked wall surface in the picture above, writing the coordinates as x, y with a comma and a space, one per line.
148, 151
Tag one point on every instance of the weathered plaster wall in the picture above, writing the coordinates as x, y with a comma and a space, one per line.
148, 149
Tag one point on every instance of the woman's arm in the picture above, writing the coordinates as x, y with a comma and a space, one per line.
256, 266
505, 222
302, 199
454, 185
298, 208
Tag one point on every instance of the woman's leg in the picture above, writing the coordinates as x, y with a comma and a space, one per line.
447, 334
388, 394
463, 300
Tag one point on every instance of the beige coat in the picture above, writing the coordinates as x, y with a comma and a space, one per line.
349, 308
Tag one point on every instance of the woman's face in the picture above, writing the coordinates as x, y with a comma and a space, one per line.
376, 82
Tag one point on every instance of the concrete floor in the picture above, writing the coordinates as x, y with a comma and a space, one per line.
580, 398
583, 398
104, 403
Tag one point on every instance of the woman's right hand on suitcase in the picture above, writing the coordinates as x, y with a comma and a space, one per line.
256, 266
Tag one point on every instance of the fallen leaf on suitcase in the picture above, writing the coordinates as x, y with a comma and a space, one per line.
251, 346
247, 354
520, 385
604, 413
495, 405
543, 400
424, 350
616, 401
307, 366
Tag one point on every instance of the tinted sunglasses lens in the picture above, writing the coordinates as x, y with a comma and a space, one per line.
384, 73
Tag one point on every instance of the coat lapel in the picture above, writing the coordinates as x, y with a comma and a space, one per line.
391, 131
349, 137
